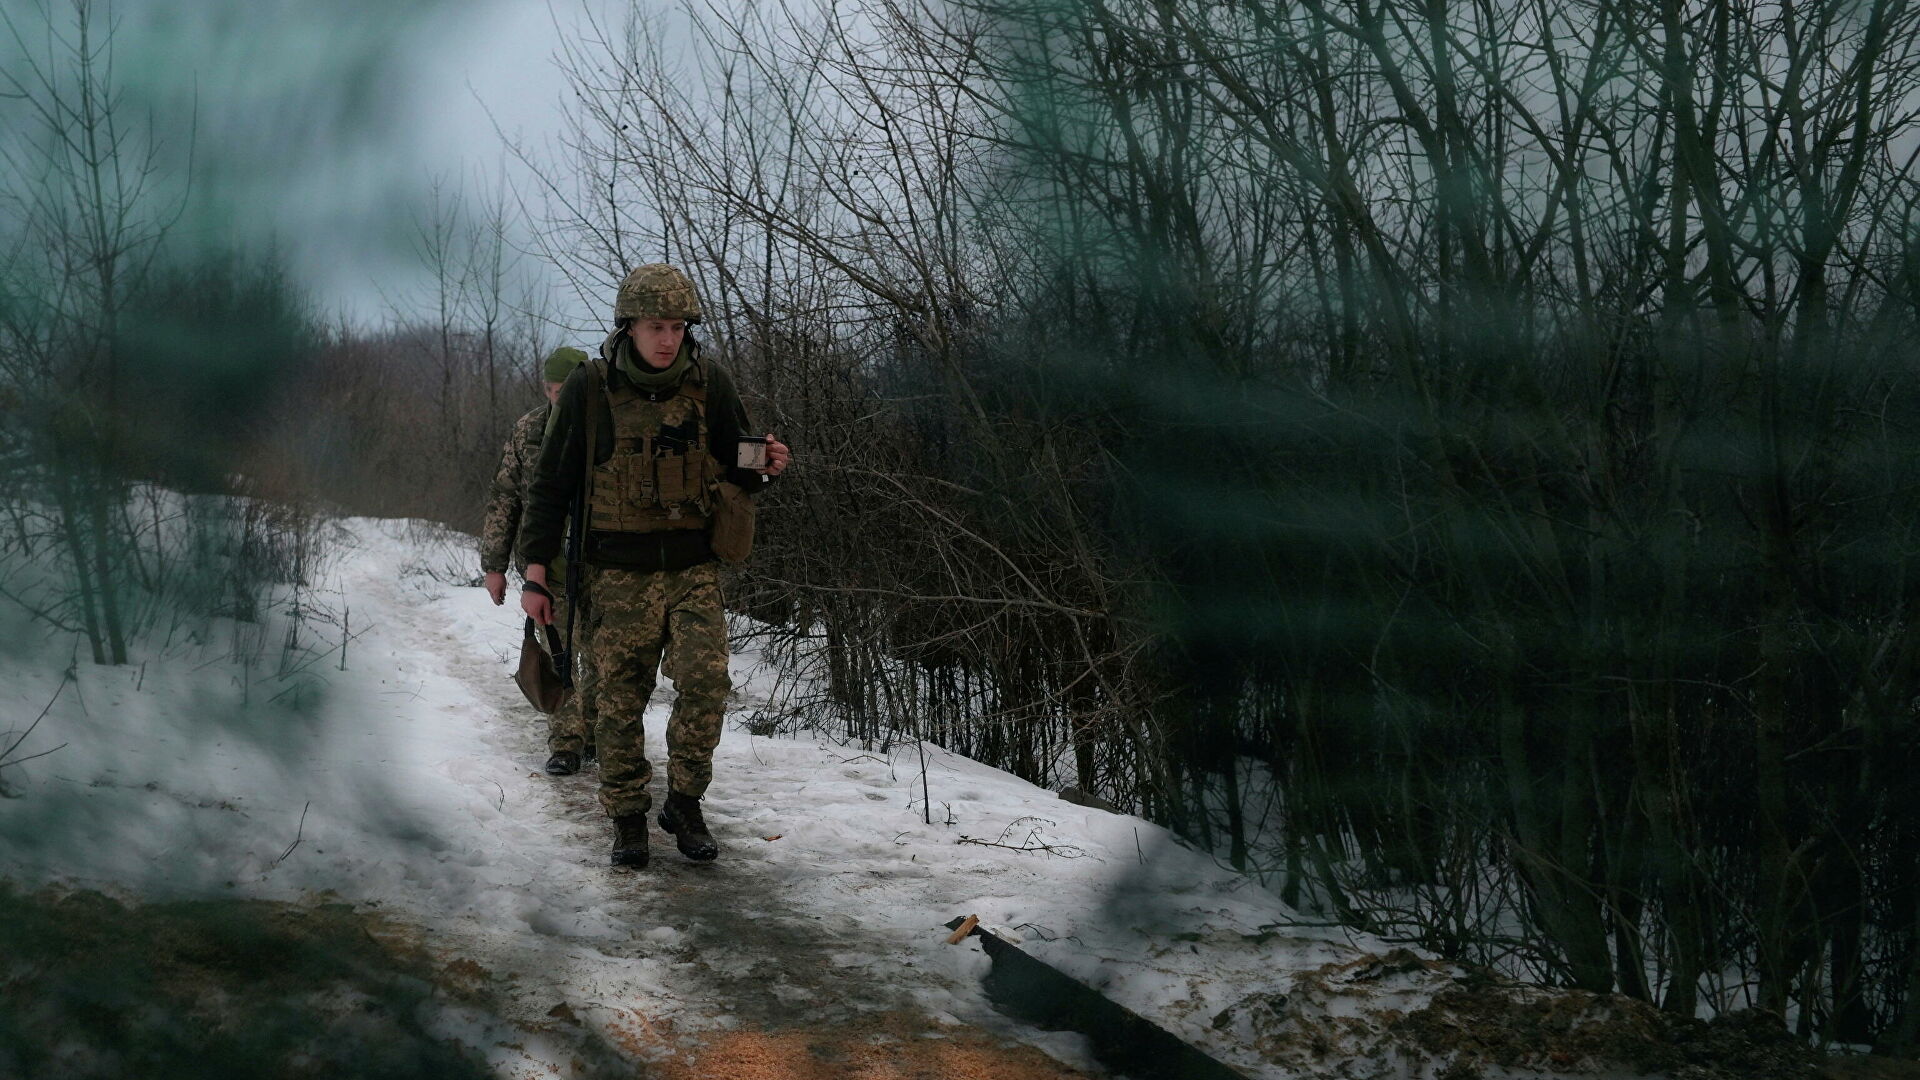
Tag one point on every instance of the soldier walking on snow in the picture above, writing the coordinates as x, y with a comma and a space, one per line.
570, 727
665, 424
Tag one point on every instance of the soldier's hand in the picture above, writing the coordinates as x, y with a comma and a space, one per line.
537, 607
778, 456
537, 602
497, 588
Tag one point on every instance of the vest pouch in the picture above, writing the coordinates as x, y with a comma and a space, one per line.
609, 482
622, 488
731, 533
670, 480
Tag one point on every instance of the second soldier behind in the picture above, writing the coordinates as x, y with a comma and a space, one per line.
570, 727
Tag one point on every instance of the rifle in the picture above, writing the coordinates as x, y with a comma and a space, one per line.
577, 526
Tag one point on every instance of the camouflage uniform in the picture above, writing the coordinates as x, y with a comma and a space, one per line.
508, 495
673, 621
570, 727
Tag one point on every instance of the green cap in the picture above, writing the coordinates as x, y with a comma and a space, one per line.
561, 362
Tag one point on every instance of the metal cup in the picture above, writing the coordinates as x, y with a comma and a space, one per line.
752, 453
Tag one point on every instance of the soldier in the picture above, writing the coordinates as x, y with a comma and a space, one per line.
570, 727
665, 423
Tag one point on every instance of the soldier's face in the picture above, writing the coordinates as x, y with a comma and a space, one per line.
657, 341
553, 391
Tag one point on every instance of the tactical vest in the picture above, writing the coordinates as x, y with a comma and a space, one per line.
660, 475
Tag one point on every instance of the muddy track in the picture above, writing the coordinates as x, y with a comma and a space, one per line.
766, 967
761, 993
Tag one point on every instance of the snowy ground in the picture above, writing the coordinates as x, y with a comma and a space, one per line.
408, 781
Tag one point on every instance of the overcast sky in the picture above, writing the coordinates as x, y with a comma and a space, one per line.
470, 75
316, 127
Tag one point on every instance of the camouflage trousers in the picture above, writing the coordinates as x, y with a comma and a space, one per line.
643, 623
570, 727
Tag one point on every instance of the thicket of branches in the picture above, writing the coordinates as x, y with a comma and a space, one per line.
1452, 457
407, 418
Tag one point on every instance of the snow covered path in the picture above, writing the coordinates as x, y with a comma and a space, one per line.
827, 904
406, 781
775, 934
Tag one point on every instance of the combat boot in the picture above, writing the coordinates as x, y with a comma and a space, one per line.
683, 819
563, 763
630, 840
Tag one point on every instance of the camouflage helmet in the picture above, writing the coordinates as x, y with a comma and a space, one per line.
656, 291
